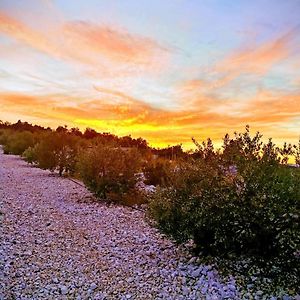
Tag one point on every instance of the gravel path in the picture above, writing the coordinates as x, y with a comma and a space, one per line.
56, 242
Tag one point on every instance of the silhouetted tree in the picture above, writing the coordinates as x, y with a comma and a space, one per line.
90, 133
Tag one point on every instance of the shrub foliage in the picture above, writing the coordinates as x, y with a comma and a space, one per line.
18, 142
55, 151
109, 172
156, 171
241, 201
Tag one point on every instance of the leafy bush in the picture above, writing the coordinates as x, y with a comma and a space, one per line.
55, 151
110, 172
242, 201
17, 142
156, 171
3, 136
29, 155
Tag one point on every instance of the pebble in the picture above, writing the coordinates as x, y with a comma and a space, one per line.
196, 273
93, 286
63, 290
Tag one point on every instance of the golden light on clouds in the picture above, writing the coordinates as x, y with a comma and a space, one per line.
147, 77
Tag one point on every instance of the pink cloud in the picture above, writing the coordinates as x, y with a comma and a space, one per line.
85, 42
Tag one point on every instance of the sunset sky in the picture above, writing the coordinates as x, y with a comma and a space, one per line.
162, 70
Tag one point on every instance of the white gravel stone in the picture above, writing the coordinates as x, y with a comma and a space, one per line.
196, 273
63, 289
93, 286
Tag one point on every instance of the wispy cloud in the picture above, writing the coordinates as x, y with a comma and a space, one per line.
277, 107
115, 44
252, 59
258, 59
23, 100
85, 42
23, 33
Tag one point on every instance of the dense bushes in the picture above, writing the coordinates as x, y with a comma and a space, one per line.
241, 201
49, 150
3, 136
16, 143
29, 155
156, 171
110, 172
56, 151
225, 213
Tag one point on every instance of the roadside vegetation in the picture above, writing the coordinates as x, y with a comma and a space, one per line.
239, 205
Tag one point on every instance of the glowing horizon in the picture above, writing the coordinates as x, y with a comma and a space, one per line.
161, 70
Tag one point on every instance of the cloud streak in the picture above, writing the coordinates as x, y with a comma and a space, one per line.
259, 59
253, 59
86, 43
114, 44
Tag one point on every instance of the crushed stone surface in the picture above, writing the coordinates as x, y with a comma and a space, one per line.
58, 242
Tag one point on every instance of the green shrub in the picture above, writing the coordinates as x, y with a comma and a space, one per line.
17, 142
156, 171
3, 136
29, 155
110, 173
187, 206
55, 151
241, 202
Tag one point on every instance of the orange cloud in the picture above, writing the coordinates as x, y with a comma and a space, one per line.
87, 43
21, 32
263, 107
257, 59
18, 99
267, 106
193, 84
115, 44
117, 95
253, 59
